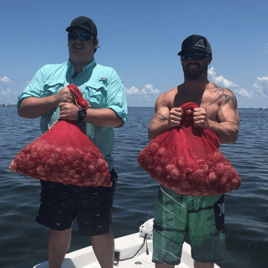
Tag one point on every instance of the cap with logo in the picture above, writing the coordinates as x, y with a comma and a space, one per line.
196, 42
83, 23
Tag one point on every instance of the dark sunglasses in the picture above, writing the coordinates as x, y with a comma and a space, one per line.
83, 36
197, 56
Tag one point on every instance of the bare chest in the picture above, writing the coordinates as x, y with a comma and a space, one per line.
203, 100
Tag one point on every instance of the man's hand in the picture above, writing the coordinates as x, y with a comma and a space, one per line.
200, 118
175, 115
68, 111
64, 95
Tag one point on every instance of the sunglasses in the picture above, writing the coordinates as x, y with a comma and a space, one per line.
83, 36
197, 56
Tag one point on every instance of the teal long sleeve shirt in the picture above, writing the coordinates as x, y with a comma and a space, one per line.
100, 86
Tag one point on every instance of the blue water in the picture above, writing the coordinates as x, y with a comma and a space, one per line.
23, 242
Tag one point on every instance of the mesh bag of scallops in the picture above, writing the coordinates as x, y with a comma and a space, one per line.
64, 154
186, 160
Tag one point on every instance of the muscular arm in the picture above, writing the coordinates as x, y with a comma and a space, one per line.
227, 125
228, 128
159, 123
164, 118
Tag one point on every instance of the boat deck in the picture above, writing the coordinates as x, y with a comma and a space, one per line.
126, 247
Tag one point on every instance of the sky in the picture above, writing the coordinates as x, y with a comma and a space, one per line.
140, 40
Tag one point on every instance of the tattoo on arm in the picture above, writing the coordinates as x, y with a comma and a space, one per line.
161, 116
226, 94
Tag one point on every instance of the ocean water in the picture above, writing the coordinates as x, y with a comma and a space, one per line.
23, 242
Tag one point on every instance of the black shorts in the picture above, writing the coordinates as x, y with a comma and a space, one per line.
62, 203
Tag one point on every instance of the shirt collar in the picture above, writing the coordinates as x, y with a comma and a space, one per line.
85, 68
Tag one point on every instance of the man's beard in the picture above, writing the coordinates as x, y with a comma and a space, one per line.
196, 73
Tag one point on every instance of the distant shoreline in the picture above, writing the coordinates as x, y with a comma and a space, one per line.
265, 109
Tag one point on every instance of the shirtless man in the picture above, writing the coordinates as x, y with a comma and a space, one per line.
218, 112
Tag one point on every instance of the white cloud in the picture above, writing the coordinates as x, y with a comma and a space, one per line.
223, 82
6, 91
5, 79
132, 91
148, 89
261, 86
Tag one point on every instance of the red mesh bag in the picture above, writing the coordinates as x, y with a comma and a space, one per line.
64, 154
187, 160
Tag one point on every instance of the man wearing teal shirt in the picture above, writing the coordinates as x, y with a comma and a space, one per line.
48, 97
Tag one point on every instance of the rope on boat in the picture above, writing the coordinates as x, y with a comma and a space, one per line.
117, 259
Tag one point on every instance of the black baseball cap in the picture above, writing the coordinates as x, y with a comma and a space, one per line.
84, 23
196, 42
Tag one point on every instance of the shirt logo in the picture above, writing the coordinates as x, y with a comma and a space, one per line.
200, 43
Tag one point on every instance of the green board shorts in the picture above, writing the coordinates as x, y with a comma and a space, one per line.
199, 221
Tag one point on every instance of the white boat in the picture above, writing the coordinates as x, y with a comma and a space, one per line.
6, 104
131, 251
